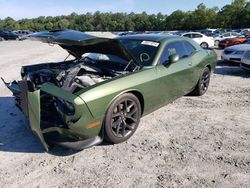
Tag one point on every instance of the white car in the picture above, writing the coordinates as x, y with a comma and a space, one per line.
223, 36
245, 62
203, 40
235, 53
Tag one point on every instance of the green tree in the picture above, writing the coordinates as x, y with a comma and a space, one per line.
234, 15
176, 20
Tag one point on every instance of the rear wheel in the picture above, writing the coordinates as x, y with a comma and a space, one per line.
122, 118
204, 45
203, 83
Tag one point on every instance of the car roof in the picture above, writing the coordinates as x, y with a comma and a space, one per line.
150, 37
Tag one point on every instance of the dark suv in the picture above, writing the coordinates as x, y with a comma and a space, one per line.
8, 35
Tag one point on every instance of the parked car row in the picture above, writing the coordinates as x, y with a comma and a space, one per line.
207, 38
14, 35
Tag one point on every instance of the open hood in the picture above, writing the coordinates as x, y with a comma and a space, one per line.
77, 43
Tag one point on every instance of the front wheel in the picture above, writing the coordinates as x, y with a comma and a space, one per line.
122, 118
203, 83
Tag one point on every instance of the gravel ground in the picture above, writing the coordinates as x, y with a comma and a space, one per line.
193, 142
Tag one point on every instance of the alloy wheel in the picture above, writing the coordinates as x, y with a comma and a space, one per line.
205, 79
124, 118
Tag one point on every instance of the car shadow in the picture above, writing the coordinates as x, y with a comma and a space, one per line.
231, 69
15, 134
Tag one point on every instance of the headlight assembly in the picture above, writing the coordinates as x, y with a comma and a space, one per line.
65, 107
239, 52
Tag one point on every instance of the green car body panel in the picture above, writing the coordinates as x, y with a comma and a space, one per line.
155, 85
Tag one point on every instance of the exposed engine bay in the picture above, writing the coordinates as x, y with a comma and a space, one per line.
71, 76
75, 75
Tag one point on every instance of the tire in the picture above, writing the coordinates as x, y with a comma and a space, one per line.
204, 45
122, 118
216, 43
203, 83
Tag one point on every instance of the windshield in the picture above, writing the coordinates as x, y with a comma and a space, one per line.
143, 51
105, 57
111, 61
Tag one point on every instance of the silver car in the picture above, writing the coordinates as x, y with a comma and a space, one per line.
235, 53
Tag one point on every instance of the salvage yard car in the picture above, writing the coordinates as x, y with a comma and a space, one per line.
223, 36
235, 53
109, 86
232, 41
8, 35
203, 40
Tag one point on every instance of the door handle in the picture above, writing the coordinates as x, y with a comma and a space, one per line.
190, 63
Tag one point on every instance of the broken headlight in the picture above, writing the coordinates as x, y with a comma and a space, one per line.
65, 107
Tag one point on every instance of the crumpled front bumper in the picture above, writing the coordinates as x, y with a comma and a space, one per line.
77, 131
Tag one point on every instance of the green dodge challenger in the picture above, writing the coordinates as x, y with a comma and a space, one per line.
109, 85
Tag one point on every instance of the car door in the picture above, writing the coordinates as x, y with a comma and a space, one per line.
198, 38
194, 59
226, 35
175, 79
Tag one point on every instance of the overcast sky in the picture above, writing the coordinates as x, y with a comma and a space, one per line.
34, 8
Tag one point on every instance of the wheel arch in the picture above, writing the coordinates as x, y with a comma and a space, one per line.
209, 66
135, 92
140, 98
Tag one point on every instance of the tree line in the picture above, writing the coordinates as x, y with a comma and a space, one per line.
234, 15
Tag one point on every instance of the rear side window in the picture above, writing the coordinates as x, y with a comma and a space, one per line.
197, 36
188, 35
190, 49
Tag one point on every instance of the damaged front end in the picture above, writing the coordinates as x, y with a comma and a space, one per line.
47, 93
56, 116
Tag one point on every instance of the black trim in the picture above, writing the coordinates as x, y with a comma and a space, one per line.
245, 65
71, 143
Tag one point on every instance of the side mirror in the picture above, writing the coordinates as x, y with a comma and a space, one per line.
174, 58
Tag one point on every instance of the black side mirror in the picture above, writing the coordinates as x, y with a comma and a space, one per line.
171, 59
174, 58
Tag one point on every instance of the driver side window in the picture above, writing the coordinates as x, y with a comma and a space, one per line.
173, 48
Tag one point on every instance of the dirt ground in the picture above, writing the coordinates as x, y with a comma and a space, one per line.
193, 142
